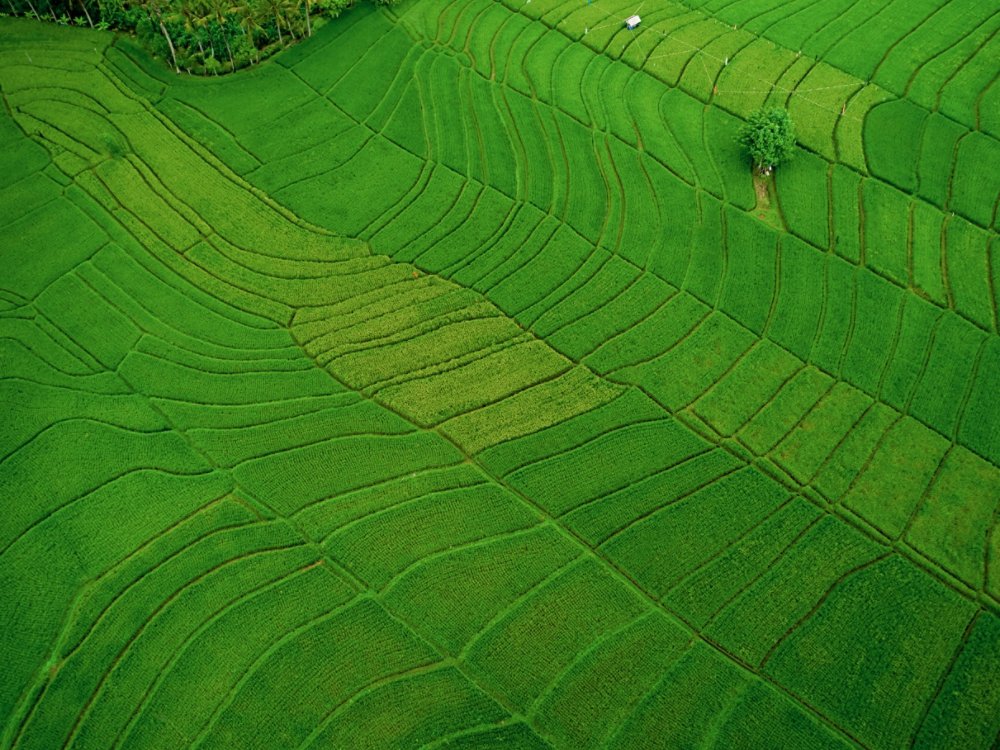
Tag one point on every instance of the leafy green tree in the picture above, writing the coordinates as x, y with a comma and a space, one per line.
199, 36
249, 15
768, 136
189, 13
217, 11
276, 9
155, 9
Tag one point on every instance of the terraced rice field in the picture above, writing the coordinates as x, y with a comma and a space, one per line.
438, 385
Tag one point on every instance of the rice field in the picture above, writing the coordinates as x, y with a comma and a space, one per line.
442, 383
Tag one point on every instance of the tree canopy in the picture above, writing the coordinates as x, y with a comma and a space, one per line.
197, 36
768, 136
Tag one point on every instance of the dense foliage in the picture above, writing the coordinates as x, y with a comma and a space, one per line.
769, 137
197, 36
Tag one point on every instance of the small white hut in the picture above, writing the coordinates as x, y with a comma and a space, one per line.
632, 21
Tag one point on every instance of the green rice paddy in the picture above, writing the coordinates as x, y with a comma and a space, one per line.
443, 382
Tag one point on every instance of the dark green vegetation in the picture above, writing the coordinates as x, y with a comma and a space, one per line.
433, 385
198, 36
768, 137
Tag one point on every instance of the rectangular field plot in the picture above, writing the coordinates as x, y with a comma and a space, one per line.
893, 133
687, 369
535, 279
968, 269
499, 151
739, 394
816, 106
703, 275
801, 297
233, 445
783, 412
327, 194
875, 320
686, 703
949, 369
607, 277
962, 97
292, 479
606, 464
43, 236
363, 87
139, 653
957, 515
596, 692
453, 343
421, 707
765, 714
805, 197
821, 431
415, 528
99, 628
886, 633
535, 409
758, 619
890, 486
87, 318
452, 595
586, 335
645, 340
840, 468
628, 408
751, 270
102, 453
919, 321
635, 240
886, 230
941, 135
435, 398
928, 246
741, 83
321, 518
599, 519
527, 232
586, 602
658, 549
846, 196
261, 619
838, 316
704, 592
426, 206
951, 718
324, 664
979, 430
450, 243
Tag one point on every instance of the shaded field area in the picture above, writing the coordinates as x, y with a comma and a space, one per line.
438, 384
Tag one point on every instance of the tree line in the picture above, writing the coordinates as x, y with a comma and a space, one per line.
196, 36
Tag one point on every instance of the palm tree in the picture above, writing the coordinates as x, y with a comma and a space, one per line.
309, 31
14, 9
250, 23
83, 7
155, 8
188, 10
276, 9
220, 9
201, 17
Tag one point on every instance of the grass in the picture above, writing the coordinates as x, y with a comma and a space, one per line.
447, 381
